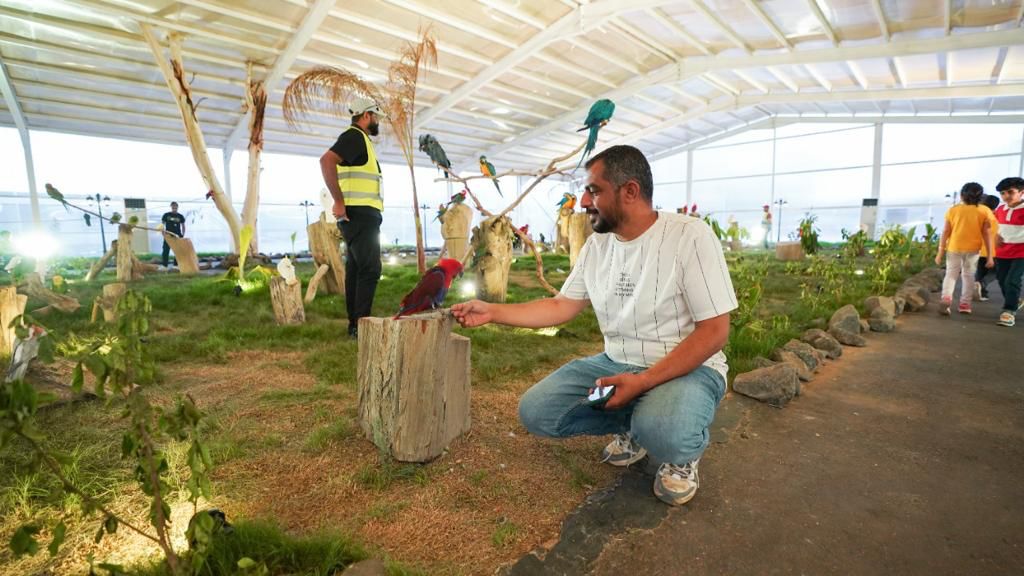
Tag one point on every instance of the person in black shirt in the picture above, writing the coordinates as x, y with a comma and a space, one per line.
175, 224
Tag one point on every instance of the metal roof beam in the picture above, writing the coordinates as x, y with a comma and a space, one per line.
750, 80
784, 78
725, 29
772, 27
14, 108
816, 10
883, 24
818, 77
997, 70
947, 16
676, 29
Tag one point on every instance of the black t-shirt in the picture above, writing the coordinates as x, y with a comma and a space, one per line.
173, 221
352, 148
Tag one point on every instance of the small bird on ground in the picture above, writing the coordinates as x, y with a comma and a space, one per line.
430, 293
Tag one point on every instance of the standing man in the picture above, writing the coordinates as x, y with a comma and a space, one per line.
766, 223
353, 177
174, 223
662, 294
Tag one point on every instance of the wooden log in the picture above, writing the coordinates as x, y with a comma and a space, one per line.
184, 253
579, 230
34, 288
100, 264
493, 239
126, 269
455, 226
112, 294
414, 384
562, 230
287, 301
324, 245
788, 251
314, 282
12, 305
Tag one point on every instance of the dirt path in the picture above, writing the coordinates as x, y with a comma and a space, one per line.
905, 457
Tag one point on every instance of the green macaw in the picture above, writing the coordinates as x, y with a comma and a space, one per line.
599, 115
52, 192
487, 169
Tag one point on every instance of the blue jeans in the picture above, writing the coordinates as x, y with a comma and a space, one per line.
671, 421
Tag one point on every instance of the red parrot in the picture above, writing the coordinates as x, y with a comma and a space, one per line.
432, 288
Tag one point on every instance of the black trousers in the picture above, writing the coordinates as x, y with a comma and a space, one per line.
167, 254
1009, 272
362, 260
980, 274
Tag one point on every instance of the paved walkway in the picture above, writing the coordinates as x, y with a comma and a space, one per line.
904, 457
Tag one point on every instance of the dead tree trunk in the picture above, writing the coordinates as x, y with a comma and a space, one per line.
324, 244
112, 294
287, 301
562, 234
126, 269
184, 253
493, 241
100, 264
12, 305
579, 231
314, 282
455, 229
34, 287
414, 384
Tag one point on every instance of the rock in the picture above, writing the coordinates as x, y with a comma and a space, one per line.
810, 355
882, 321
370, 567
788, 357
900, 303
864, 326
872, 302
913, 300
847, 337
916, 287
821, 340
762, 362
846, 318
775, 385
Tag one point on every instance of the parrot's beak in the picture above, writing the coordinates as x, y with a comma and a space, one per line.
460, 273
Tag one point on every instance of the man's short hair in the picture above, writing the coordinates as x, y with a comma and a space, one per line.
1011, 182
174, 204
624, 163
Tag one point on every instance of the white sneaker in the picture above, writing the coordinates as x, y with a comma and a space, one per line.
977, 292
676, 485
622, 451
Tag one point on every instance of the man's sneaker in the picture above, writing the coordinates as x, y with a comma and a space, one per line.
353, 332
984, 297
977, 292
1006, 319
1020, 304
676, 485
945, 306
964, 308
622, 451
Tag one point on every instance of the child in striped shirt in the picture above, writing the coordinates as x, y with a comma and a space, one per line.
1010, 246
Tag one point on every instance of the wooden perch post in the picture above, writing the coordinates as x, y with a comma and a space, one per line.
562, 234
184, 253
414, 384
34, 287
100, 264
287, 301
493, 241
455, 229
126, 268
788, 251
12, 305
324, 244
579, 230
112, 294
314, 282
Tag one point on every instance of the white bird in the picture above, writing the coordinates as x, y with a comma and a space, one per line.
24, 352
287, 271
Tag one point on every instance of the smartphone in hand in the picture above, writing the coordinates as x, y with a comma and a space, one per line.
599, 395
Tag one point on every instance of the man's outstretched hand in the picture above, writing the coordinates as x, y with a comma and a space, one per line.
472, 314
628, 387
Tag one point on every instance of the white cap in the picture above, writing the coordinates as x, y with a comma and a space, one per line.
361, 105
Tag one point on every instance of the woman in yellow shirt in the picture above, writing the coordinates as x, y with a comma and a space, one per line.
968, 228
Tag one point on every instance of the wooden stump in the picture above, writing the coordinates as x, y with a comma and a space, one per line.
324, 245
112, 294
184, 253
455, 229
126, 269
579, 230
287, 301
414, 384
562, 230
34, 287
789, 251
314, 282
493, 237
100, 264
12, 305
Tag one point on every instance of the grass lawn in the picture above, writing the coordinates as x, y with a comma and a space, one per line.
291, 460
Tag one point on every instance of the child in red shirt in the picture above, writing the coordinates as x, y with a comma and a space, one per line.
1010, 246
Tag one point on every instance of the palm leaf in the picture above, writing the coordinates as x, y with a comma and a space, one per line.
326, 90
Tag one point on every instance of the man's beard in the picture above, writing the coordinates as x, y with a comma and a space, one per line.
602, 224
373, 129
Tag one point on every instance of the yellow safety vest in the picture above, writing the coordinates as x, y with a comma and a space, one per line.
360, 185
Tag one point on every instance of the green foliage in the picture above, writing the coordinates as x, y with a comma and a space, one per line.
387, 472
808, 234
506, 533
715, 227
855, 243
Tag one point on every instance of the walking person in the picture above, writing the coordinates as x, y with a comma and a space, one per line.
353, 177
661, 290
981, 276
174, 223
1010, 247
968, 226
766, 223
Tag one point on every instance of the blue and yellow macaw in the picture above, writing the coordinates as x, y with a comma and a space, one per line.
487, 169
441, 209
568, 201
599, 115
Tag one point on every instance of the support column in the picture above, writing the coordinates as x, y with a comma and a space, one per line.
869, 208
689, 177
11, 99
226, 154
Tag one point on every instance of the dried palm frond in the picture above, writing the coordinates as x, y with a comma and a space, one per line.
325, 89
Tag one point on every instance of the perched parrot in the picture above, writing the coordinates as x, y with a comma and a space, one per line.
56, 195
441, 209
432, 288
209, 194
568, 201
457, 198
599, 115
487, 169
432, 147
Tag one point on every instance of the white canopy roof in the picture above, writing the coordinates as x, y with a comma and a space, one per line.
515, 78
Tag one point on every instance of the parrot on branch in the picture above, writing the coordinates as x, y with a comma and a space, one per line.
599, 115
432, 147
457, 198
487, 169
432, 288
56, 195
441, 209
568, 201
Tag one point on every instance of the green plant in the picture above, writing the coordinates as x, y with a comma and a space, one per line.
808, 234
855, 243
715, 227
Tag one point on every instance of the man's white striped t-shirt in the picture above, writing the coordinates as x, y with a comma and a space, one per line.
649, 292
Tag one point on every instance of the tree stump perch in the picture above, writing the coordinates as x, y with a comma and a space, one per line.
287, 301
324, 245
455, 230
112, 294
34, 287
100, 264
414, 384
126, 269
562, 230
314, 282
12, 305
788, 251
579, 230
493, 242
184, 253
